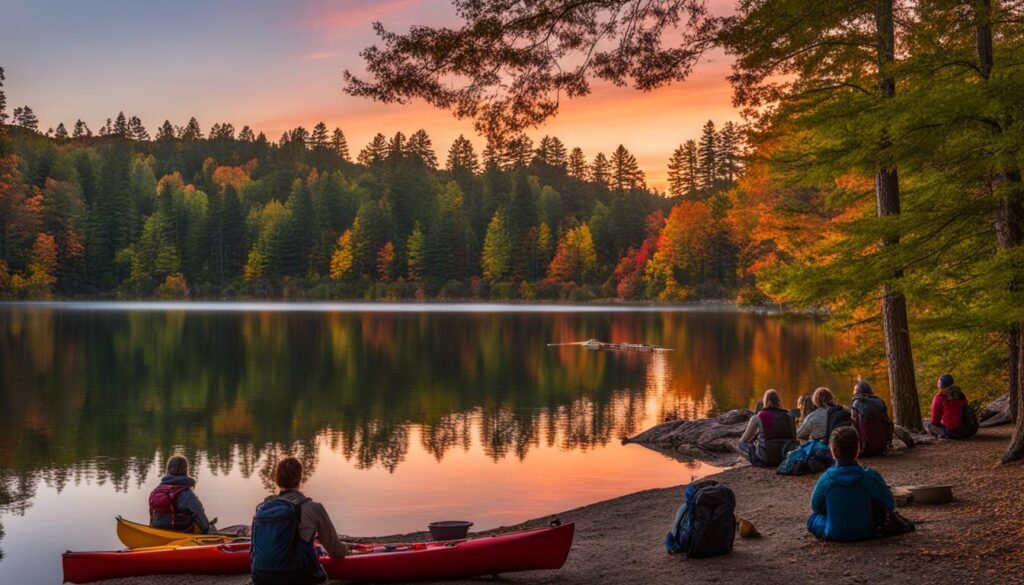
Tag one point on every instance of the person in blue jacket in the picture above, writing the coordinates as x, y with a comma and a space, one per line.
841, 505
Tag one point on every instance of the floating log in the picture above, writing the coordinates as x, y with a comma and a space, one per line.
595, 345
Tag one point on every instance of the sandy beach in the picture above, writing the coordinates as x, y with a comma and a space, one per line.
972, 540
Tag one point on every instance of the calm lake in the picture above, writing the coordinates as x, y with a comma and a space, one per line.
403, 414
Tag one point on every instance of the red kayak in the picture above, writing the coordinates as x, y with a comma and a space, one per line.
528, 550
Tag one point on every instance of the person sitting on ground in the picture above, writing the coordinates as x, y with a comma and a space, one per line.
769, 434
871, 419
283, 531
804, 407
846, 495
946, 407
814, 426
173, 505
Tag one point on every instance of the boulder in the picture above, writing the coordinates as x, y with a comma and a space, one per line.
708, 439
997, 412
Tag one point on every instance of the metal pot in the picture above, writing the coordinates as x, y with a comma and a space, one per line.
449, 530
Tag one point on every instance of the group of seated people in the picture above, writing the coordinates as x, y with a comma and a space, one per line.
848, 499
284, 550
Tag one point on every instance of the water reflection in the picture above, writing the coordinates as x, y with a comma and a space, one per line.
102, 396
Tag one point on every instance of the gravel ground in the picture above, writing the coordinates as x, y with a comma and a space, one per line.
976, 539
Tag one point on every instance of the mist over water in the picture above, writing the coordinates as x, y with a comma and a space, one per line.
403, 414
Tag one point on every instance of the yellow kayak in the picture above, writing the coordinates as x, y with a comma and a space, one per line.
135, 535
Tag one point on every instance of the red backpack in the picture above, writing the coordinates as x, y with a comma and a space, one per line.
163, 500
871, 419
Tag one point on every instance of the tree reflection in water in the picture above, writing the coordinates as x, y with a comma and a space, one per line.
104, 396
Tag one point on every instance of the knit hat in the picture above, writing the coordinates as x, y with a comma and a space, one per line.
945, 380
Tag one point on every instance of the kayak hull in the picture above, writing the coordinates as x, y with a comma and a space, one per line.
528, 550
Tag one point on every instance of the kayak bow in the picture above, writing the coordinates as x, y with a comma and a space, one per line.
135, 535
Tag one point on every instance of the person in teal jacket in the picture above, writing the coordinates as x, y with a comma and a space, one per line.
841, 505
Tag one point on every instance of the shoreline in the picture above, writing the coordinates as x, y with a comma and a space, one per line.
405, 306
620, 540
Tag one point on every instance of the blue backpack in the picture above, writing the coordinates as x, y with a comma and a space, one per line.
277, 553
705, 524
812, 457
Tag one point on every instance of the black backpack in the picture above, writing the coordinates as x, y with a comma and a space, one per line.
871, 419
968, 422
837, 416
708, 526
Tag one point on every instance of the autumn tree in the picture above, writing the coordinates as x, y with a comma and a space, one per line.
683, 251
416, 254
497, 255
575, 258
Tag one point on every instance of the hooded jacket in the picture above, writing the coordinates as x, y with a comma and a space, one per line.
841, 502
186, 503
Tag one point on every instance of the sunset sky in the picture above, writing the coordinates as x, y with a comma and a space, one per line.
276, 65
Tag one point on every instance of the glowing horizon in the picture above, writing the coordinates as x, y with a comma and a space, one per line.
274, 68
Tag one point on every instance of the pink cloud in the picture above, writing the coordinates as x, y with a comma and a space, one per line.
316, 56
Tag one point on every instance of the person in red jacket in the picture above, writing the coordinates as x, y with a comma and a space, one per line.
946, 407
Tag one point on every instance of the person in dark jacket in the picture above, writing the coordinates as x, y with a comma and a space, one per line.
871, 419
946, 407
173, 505
841, 505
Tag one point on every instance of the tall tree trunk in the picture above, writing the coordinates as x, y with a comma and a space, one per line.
895, 326
1015, 452
898, 355
1008, 221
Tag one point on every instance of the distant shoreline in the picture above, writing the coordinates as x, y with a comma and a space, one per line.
403, 306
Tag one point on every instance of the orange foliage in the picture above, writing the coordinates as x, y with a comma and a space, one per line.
237, 177
385, 261
44, 256
174, 181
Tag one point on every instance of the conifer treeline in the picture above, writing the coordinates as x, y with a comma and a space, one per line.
220, 214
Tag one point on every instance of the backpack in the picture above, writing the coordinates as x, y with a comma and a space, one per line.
778, 438
889, 522
871, 420
277, 554
772, 452
968, 422
812, 457
705, 525
163, 500
836, 417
